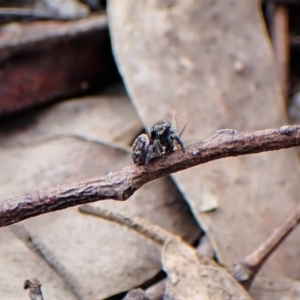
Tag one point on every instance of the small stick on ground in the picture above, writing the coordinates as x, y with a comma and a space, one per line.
151, 231
147, 229
40, 249
34, 287
247, 269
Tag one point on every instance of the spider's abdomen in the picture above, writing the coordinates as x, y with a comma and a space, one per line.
140, 149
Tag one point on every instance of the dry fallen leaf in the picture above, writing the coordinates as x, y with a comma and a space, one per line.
211, 64
275, 288
18, 264
188, 278
182, 267
111, 119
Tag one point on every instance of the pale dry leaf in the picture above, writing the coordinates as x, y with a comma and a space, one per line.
70, 9
188, 278
157, 290
211, 64
111, 119
18, 263
136, 294
266, 288
182, 268
221, 284
205, 247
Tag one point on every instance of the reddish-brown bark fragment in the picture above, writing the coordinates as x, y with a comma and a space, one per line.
49, 60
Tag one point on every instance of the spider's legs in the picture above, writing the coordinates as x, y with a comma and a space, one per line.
156, 149
179, 142
169, 143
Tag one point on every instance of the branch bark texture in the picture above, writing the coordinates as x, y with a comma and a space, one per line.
122, 184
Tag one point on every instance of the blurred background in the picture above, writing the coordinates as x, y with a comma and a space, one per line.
80, 80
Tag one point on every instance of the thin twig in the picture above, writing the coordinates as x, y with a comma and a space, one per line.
147, 229
34, 287
40, 249
244, 272
281, 45
121, 184
251, 264
30, 13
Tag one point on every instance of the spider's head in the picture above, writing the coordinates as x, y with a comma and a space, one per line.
161, 130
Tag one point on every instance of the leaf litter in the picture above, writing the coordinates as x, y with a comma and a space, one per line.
104, 259
180, 58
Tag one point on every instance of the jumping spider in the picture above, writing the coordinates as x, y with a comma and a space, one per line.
162, 140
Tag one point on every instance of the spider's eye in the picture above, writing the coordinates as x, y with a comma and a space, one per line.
161, 131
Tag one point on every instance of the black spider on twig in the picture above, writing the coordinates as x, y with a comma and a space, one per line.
163, 139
